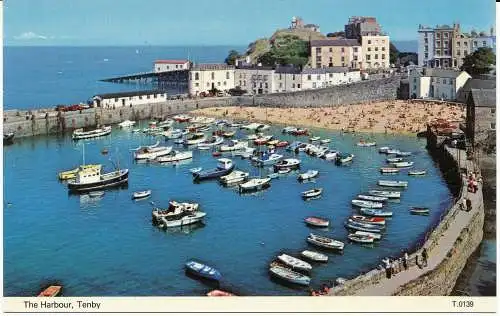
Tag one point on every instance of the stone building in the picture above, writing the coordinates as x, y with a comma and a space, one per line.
255, 79
481, 118
205, 77
170, 65
314, 78
287, 78
441, 84
336, 53
475, 83
128, 99
358, 26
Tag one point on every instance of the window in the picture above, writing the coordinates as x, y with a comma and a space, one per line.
213, 75
376, 49
445, 43
484, 43
116, 99
355, 57
244, 82
196, 84
331, 59
458, 53
298, 86
493, 126
154, 96
293, 85
224, 82
369, 49
208, 84
266, 85
259, 77
438, 52
280, 76
475, 43
254, 77
426, 41
314, 84
465, 53
255, 85
414, 88
444, 81
438, 43
492, 110
318, 50
445, 35
369, 41
376, 56
437, 80
176, 66
355, 49
330, 50
318, 77
227, 74
342, 49
466, 44
438, 35
265, 77
342, 59
383, 48
383, 56
367, 56
240, 83
140, 97
308, 77
331, 75
260, 85
196, 76
293, 77
426, 55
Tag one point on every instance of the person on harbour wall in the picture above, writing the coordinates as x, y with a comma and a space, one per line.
424, 256
405, 260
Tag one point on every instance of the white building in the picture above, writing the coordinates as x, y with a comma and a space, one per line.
375, 51
287, 79
170, 65
205, 77
435, 83
128, 99
425, 46
314, 78
255, 79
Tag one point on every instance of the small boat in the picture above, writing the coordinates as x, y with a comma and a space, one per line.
284, 171
288, 129
255, 184
325, 242
141, 194
296, 146
234, 177
289, 275
314, 256
300, 132
262, 140
182, 118
290, 163
273, 142
375, 236
309, 194
309, 174
175, 156
209, 143
403, 154
92, 179
343, 158
195, 139
383, 150
330, 155
178, 215
51, 291
388, 183
96, 194
267, 159
368, 220
195, 170
228, 134
252, 137
325, 141
219, 293
373, 212
8, 138
403, 164
366, 144
389, 170
126, 123
173, 134
317, 221
294, 263
81, 134
366, 204
234, 145
417, 172
71, 174
420, 210
203, 270
224, 167
152, 153
314, 139
394, 159
360, 239
392, 151
387, 194
136, 130
273, 175
363, 227
282, 143
372, 198
216, 153
166, 123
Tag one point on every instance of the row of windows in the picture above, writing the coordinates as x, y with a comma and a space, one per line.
196, 84
330, 50
376, 49
212, 75
368, 56
376, 41
147, 97
168, 67
260, 85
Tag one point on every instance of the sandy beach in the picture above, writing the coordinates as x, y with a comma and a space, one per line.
392, 117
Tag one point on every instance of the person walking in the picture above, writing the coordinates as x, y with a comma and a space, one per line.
394, 271
405, 260
424, 256
387, 268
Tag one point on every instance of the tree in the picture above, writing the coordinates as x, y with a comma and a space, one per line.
231, 57
479, 62
336, 34
393, 53
286, 49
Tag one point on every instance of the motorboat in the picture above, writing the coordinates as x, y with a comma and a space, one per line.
373, 212
314, 139
175, 156
234, 177
262, 140
224, 167
366, 204
219, 293
375, 236
417, 173
363, 227
228, 134
166, 123
309, 174
403, 154
314, 256
71, 174
360, 239
420, 210
203, 270
383, 150
173, 134
372, 198
325, 141
8, 138
273, 142
255, 184
294, 263
290, 163
152, 153
289, 275
388, 183
51, 291
368, 220
267, 159
282, 143
262, 127
403, 164
394, 159
195, 139
126, 123
330, 155
251, 126
314, 193
288, 129
81, 134
234, 145
317, 221
387, 194
92, 179
141, 194
245, 152
325, 242
211, 142
177, 214
284, 171
389, 170
296, 146
366, 144
252, 137
392, 151
300, 132
273, 175
182, 118
343, 158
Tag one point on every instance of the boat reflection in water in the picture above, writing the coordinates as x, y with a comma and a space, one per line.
184, 230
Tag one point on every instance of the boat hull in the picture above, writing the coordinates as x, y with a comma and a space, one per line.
118, 180
211, 174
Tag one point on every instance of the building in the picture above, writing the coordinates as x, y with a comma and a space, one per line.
358, 26
481, 117
255, 79
128, 99
442, 84
205, 77
425, 45
475, 83
287, 78
170, 65
444, 36
314, 78
375, 52
336, 53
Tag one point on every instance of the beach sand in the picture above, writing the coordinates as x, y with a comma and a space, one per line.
392, 117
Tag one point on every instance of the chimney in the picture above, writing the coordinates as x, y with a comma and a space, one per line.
492, 31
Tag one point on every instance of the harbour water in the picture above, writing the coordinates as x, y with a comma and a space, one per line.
108, 246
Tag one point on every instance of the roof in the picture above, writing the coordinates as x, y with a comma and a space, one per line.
442, 73
171, 61
335, 42
325, 70
479, 84
287, 69
254, 67
484, 97
201, 67
127, 94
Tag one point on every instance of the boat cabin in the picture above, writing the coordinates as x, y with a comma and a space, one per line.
90, 175
224, 163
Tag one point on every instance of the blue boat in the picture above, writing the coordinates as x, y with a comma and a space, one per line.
203, 270
224, 167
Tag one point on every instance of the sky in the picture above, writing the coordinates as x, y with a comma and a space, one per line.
219, 22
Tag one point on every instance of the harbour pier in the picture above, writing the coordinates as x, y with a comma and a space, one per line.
160, 80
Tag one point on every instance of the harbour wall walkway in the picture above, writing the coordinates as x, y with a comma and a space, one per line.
449, 242
48, 121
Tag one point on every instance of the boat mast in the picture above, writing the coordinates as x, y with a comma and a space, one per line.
83, 144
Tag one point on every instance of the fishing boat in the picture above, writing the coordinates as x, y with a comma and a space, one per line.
224, 167
366, 204
343, 158
177, 214
389, 170
314, 193
262, 140
373, 212
195, 139
8, 138
96, 194
81, 134
71, 174
314, 256
363, 227
234, 145
234, 177
309, 174
211, 142
284, 171
314, 139
182, 118
267, 159
255, 184
126, 123
325, 242
375, 236
175, 156
387, 194
403, 164
394, 159
360, 239
92, 179
228, 134
417, 172
372, 198
389, 183
294, 263
300, 132
290, 163
420, 210
203, 270
152, 153
368, 220
288, 129
325, 141
219, 293
173, 134
403, 154
141, 194
51, 291
363, 143
289, 275
317, 221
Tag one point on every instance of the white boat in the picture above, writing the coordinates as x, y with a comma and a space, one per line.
289, 275
141, 194
152, 152
420, 210
273, 175
325, 141
289, 129
373, 212
375, 236
309, 174
186, 219
262, 140
317, 221
360, 239
294, 263
403, 154
251, 126
372, 198
166, 123
126, 123
195, 139
314, 138
325, 242
417, 172
368, 220
234, 177
284, 171
383, 150
195, 170
387, 194
350, 224
246, 152
173, 134
177, 214
312, 193
343, 158
330, 155
403, 164
255, 184
316, 151
234, 145
81, 134
366, 204
262, 127
175, 156
389, 183
394, 159
267, 159
389, 170
290, 163
315, 256
366, 144
211, 142
252, 137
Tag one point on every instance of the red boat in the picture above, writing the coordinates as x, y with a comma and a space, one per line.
300, 132
317, 221
282, 143
219, 293
216, 154
51, 291
371, 220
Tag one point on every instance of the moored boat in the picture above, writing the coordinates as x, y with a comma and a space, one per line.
141, 194
152, 153
343, 158
71, 174
314, 139
368, 220
211, 142
360, 239
234, 177
228, 134
282, 143
81, 134
195, 139
373, 212
389, 170
267, 159
8, 138
290, 163
375, 236
366, 204
403, 164
403, 154
299, 132
92, 179
284, 171
372, 198
175, 156
181, 118
294, 263
394, 159
420, 210
289, 275
255, 184
126, 123
262, 140
317, 221
203, 270
383, 150
389, 183
314, 256
313, 193
309, 174
363, 227
325, 242
234, 145
417, 172
51, 291
387, 194
224, 167
363, 143
325, 141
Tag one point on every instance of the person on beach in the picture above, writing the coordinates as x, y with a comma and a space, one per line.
393, 266
388, 269
417, 261
424, 257
405, 260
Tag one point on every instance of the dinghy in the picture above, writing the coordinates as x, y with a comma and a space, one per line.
126, 123
387, 194
290, 163
141, 194
325, 242
372, 212
360, 239
228, 134
417, 172
325, 141
289, 275
419, 210
389, 170
396, 159
314, 256
368, 220
366, 204
255, 184
366, 228
294, 263
309, 174
314, 193
372, 198
234, 177
175, 156
317, 221
284, 171
388, 183
403, 164
203, 270
373, 235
